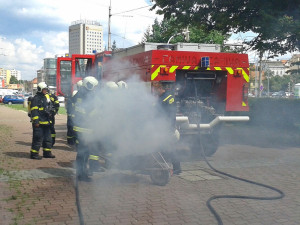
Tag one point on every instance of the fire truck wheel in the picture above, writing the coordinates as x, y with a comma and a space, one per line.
160, 177
210, 143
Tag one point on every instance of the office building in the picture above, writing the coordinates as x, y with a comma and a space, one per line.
85, 37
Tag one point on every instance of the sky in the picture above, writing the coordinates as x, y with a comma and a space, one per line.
32, 30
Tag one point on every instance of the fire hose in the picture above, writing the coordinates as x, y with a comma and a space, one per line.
208, 202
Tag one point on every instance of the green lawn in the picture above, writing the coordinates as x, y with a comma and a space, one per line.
61, 110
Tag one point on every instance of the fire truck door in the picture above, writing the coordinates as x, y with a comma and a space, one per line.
64, 76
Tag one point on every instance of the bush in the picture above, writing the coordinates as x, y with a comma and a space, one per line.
273, 112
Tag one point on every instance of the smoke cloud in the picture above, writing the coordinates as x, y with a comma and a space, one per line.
128, 121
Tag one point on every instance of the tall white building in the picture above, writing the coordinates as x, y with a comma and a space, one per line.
85, 37
16, 74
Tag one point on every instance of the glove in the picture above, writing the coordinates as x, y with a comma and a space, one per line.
177, 134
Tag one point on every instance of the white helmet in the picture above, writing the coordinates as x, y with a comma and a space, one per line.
74, 93
90, 83
122, 85
111, 85
41, 86
79, 84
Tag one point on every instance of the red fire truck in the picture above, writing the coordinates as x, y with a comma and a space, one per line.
207, 83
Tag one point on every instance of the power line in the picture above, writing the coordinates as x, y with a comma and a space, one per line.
131, 10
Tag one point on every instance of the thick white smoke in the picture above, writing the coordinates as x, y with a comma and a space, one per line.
128, 121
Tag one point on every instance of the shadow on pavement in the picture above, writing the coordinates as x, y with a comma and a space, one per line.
23, 143
63, 148
114, 178
59, 172
18, 154
67, 164
262, 137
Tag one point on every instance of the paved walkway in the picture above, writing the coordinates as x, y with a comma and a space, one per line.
42, 192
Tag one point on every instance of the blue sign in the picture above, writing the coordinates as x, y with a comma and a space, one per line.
205, 61
261, 87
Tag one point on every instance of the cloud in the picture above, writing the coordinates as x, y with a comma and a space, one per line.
36, 29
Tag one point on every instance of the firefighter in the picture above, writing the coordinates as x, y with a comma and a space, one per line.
70, 106
53, 112
29, 106
81, 114
166, 101
40, 117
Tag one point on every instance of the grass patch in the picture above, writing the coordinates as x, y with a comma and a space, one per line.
61, 110
17, 107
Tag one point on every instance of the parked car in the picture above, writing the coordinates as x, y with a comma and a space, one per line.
13, 99
61, 100
279, 94
1, 98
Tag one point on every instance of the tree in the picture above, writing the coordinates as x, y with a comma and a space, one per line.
13, 80
114, 46
162, 31
275, 22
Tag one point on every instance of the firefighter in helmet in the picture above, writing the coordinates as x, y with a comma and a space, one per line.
70, 107
40, 117
166, 103
83, 107
53, 112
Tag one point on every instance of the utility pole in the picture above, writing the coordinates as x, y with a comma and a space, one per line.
109, 34
259, 74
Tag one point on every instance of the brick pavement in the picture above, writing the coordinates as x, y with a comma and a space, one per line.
42, 192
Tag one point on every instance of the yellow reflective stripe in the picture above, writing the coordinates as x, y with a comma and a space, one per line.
70, 136
246, 76
57, 101
167, 98
34, 151
152, 66
217, 68
171, 100
172, 69
35, 107
43, 122
94, 157
80, 129
47, 149
53, 135
196, 68
155, 73
52, 99
35, 118
207, 68
42, 108
244, 104
77, 142
186, 67
230, 70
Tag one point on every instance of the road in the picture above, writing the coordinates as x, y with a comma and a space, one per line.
42, 192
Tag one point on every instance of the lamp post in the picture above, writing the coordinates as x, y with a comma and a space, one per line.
109, 33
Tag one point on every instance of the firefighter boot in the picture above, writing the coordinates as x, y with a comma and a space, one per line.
35, 156
81, 171
48, 154
176, 168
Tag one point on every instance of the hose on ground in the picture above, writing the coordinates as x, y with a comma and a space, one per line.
208, 202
